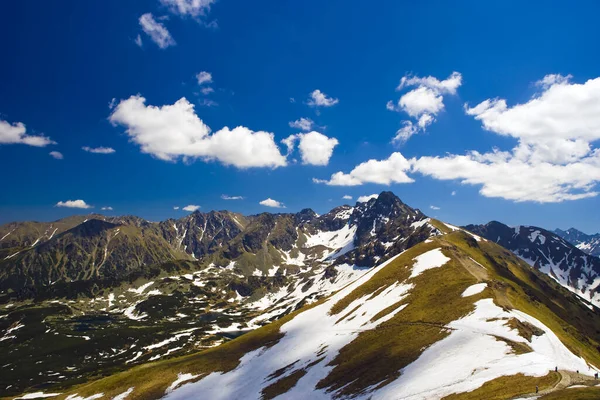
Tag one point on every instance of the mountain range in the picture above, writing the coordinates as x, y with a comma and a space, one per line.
365, 301
589, 244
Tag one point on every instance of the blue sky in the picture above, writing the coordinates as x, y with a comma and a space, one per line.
64, 65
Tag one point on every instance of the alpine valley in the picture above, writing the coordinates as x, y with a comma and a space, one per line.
371, 301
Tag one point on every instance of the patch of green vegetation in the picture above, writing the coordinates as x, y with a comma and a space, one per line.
507, 387
592, 393
283, 385
517, 347
525, 329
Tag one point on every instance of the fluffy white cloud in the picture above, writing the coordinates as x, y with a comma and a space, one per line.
191, 208
364, 199
204, 77
271, 203
422, 103
98, 150
73, 204
305, 124
384, 172
56, 154
226, 197
448, 85
172, 131
156, 30
16, 134
107, 208
192, 8
434, 207
554, 159
347, 197
320, 99
315, 148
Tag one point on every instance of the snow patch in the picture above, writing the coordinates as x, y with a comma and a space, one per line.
431, 259
474, 289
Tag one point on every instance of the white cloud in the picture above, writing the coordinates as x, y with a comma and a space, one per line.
305, 124
448, 85
226, 197
403, 134
207, 90
172, 131
364, 199
157, 31
347, 197
98, 150
320, 99
553, 79
315, 148
423, 103
384, 172
16, 134
176, 208
272, 203
191, 208
453, 193
292, 100
204, 77
56, 154
112, 103
107, 208
420, 101
554, 159
434, 207
73, 204
138, 40
192, 8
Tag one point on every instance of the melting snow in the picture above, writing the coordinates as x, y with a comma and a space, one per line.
431, 259
474, 289
533, 236
36, 395
456, 228
141, 289
341, 241
123, 395
471, 355
180, 379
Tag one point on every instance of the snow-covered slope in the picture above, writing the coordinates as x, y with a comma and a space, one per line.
444, 317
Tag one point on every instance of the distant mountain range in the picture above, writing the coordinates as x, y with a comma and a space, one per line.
549, 253
352, 300
589, 244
